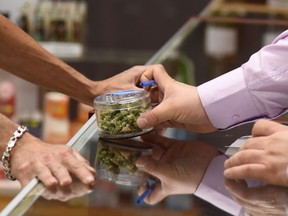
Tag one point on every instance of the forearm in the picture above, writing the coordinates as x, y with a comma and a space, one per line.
23, 57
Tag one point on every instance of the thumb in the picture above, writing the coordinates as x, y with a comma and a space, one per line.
267, 127
154, 116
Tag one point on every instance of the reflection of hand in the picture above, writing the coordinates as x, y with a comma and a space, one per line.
263, 157
76, 189
179, 165
52, 164
262, 200
179, 104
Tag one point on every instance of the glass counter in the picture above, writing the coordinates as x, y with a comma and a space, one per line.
184, 56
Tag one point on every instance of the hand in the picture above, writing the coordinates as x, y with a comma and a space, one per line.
259, 200
179, 104
178, 165
263, 157
128, 79
51, 163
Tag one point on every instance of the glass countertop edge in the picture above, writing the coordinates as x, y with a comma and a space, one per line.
74, 142
12, 206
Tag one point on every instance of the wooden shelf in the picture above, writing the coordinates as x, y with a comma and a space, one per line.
224, 6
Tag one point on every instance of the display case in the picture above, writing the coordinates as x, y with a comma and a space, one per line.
185, 58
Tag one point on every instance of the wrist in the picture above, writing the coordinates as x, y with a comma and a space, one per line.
7, 154
89, 91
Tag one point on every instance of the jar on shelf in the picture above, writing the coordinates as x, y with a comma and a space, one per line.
117, 113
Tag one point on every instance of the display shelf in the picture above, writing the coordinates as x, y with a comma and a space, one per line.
76, 53
131, 57
234, 7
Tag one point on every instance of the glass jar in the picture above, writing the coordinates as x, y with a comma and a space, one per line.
116, 161
117, 113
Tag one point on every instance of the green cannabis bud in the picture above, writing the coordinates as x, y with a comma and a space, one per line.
121, 121
114, 159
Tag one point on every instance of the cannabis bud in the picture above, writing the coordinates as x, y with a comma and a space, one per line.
117, 113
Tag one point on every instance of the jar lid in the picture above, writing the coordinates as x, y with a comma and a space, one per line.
121, 97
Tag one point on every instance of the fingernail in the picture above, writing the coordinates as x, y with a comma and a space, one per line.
142, 122
89, 179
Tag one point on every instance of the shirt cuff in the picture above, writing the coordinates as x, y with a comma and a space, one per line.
212, 189
227, 100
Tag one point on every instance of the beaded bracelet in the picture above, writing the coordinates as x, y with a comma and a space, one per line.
6, 157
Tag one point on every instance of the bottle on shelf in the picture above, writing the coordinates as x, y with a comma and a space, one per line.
33, 120
7, 99
56, 125
83, 111
57, 29
25, 19
220, 44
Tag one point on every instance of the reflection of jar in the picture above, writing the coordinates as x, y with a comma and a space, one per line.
117, 113
115, 161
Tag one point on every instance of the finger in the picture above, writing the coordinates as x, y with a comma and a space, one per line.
258, 143
158, 73
79, 169
138, 71
155, 116
253, 171
266, 127
80, 158
244, 157
38, 170
61, 174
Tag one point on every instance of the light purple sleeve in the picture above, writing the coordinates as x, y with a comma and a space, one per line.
257, 89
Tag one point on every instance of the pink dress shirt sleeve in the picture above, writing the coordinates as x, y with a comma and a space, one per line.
257, 89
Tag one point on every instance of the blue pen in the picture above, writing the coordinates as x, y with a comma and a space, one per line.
148, 83
147, 192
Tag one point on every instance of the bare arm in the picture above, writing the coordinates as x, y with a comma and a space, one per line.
25, 58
